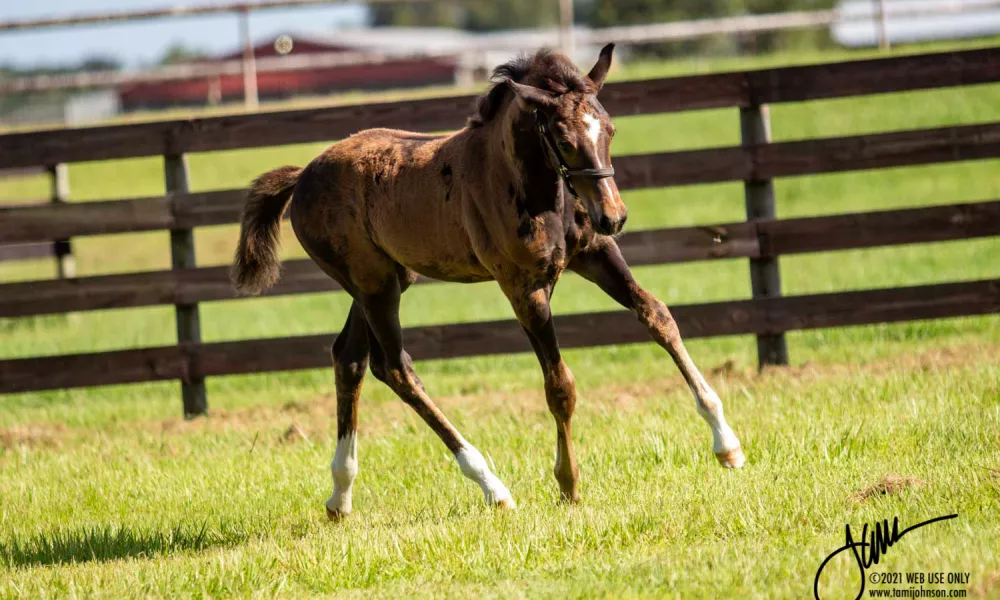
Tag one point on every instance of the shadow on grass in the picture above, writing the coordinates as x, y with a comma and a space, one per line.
108, 542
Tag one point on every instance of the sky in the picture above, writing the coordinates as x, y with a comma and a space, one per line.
143, 42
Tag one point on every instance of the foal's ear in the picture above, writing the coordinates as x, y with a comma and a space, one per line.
531, 97
600, 70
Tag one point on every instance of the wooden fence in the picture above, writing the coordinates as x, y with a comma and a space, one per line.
61, 250
761, 239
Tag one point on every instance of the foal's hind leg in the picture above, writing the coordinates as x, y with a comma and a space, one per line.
350, 359
603, 264
381, 310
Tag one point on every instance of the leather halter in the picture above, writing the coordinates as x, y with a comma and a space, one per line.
558, 163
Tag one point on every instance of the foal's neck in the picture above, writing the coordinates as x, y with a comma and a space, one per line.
514, 142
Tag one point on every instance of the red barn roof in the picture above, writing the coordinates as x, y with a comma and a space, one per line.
401, 72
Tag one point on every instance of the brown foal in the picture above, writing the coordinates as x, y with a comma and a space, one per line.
522, 193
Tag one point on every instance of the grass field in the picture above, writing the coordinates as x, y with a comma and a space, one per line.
106, 492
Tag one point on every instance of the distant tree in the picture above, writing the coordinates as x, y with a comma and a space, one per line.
88, 63
99, 63
607, 13
636, 12
641, 12
770, 41
475, 15
179, 53
431, 14
487, 15
512, 14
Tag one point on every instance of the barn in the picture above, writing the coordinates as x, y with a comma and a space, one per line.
401, 72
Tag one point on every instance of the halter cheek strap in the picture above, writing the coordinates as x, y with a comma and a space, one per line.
558, 163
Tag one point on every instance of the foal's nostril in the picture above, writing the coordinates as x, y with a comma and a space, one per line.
606, 225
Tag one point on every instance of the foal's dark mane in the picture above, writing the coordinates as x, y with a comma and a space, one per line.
546, 69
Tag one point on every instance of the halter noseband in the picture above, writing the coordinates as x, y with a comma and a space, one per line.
559, 163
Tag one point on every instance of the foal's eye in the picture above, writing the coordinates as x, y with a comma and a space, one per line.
564, 146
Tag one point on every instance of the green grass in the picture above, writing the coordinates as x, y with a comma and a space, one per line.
225, 507
105, 492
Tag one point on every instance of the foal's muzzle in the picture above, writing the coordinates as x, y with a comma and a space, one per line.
608, 226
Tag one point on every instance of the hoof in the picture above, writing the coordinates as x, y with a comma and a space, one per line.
573, 498
505, 504
731, 459
335, 515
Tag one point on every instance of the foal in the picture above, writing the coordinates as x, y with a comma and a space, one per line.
522, 193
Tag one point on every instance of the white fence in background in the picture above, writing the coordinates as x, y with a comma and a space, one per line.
909, 21
853, 23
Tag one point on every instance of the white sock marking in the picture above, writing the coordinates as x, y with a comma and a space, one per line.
344, 469
474, 466
710, 408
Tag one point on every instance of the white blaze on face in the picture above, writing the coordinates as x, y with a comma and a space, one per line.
594, 135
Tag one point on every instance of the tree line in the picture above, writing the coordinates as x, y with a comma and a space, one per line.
491, 15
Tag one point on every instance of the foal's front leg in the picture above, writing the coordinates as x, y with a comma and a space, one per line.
603, 264
531, 305
381, 311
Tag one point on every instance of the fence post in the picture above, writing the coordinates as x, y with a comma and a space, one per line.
182, 257
881, 29
765, 277
566, 33
250, 99
63, 250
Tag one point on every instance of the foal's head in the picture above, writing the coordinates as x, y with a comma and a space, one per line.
574, 129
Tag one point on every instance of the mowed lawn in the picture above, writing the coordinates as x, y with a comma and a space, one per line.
107, 492
231, 505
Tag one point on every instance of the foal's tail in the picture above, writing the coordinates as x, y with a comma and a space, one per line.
256, 266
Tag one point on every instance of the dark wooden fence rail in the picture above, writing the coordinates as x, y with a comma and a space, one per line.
762, 238
660, 246
758, 163
190, 362
26, 251
60, 249
723, 90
